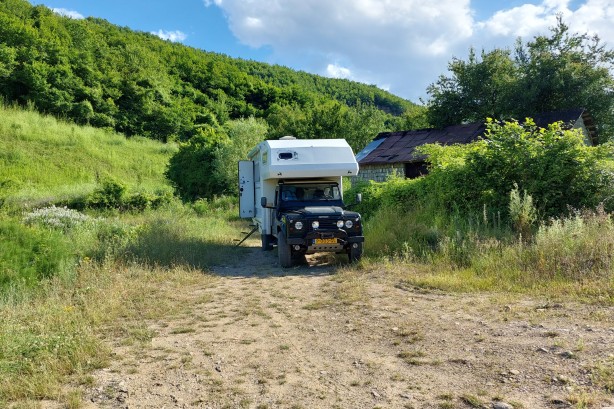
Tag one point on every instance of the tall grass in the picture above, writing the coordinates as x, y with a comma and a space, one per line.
29, 254
43, 159
573, 255
197, 235
111, 266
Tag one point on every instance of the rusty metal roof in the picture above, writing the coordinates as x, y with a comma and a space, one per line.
400, 147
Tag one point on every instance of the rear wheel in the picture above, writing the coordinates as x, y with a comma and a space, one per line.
267, 242
355, 253
283, 251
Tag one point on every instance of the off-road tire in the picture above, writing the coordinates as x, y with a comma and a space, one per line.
284, 252
355, 254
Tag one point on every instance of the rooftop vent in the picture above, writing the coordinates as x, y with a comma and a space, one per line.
286, 138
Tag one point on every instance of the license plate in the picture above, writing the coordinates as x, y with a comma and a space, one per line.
325, 241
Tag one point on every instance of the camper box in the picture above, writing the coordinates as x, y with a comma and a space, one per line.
271, 161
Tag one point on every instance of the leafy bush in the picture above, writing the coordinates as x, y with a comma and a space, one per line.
552, 165
109, 196
143, 200
111, 240
114, 195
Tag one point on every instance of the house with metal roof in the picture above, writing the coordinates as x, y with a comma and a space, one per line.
395, 152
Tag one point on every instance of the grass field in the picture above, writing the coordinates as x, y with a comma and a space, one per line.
44, 160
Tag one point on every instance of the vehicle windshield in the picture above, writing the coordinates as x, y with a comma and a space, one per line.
310, 192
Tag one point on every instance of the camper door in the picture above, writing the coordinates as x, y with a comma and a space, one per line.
247, 194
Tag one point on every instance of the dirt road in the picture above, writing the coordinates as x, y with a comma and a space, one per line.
321, 336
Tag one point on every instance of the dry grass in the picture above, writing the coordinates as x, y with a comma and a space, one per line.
58, 336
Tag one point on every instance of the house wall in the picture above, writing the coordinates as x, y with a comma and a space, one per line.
379, 173
580, 125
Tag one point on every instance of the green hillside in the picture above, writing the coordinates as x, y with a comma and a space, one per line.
43, 159
92, 72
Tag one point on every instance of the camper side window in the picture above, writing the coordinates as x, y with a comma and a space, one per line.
287, 155
257, 171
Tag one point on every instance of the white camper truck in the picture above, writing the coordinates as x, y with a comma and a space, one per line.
292, 190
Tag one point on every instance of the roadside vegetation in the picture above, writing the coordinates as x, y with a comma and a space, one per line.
81, 260
481, 220
89, 229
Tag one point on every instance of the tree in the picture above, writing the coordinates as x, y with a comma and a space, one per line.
206, 165
91, 71
479, 89
559, 71
190, 170
243, 135
567, 70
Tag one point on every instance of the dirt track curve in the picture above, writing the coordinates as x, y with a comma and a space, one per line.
322, 336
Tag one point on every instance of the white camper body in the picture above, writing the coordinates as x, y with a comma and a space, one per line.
298, 160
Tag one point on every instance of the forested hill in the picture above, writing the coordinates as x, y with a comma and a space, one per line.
93, 72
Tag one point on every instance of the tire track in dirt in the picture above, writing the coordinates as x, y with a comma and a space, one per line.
323, 336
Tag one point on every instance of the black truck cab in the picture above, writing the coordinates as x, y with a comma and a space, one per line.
311, 217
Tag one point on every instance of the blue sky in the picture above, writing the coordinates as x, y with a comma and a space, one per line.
399, 45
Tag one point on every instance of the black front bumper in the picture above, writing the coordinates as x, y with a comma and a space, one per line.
341, 235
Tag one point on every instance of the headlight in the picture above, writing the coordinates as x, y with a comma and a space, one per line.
315, 224
340, 224
298, 225
349, 224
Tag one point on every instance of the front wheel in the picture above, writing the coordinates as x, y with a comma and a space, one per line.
355, 253
283, 251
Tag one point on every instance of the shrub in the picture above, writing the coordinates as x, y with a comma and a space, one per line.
552, 165
115, 196
109, 196
111, 240
61, 218
522, 212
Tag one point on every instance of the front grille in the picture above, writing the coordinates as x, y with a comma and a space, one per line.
328, 224
325, 224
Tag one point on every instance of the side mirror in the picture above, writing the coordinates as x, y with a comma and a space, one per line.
358, 198
263, 201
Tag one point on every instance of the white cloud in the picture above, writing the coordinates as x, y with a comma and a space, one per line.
68, 13
174, 36
526, 20
212, 2
337, 71
595, 17
382, 40
405, 44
